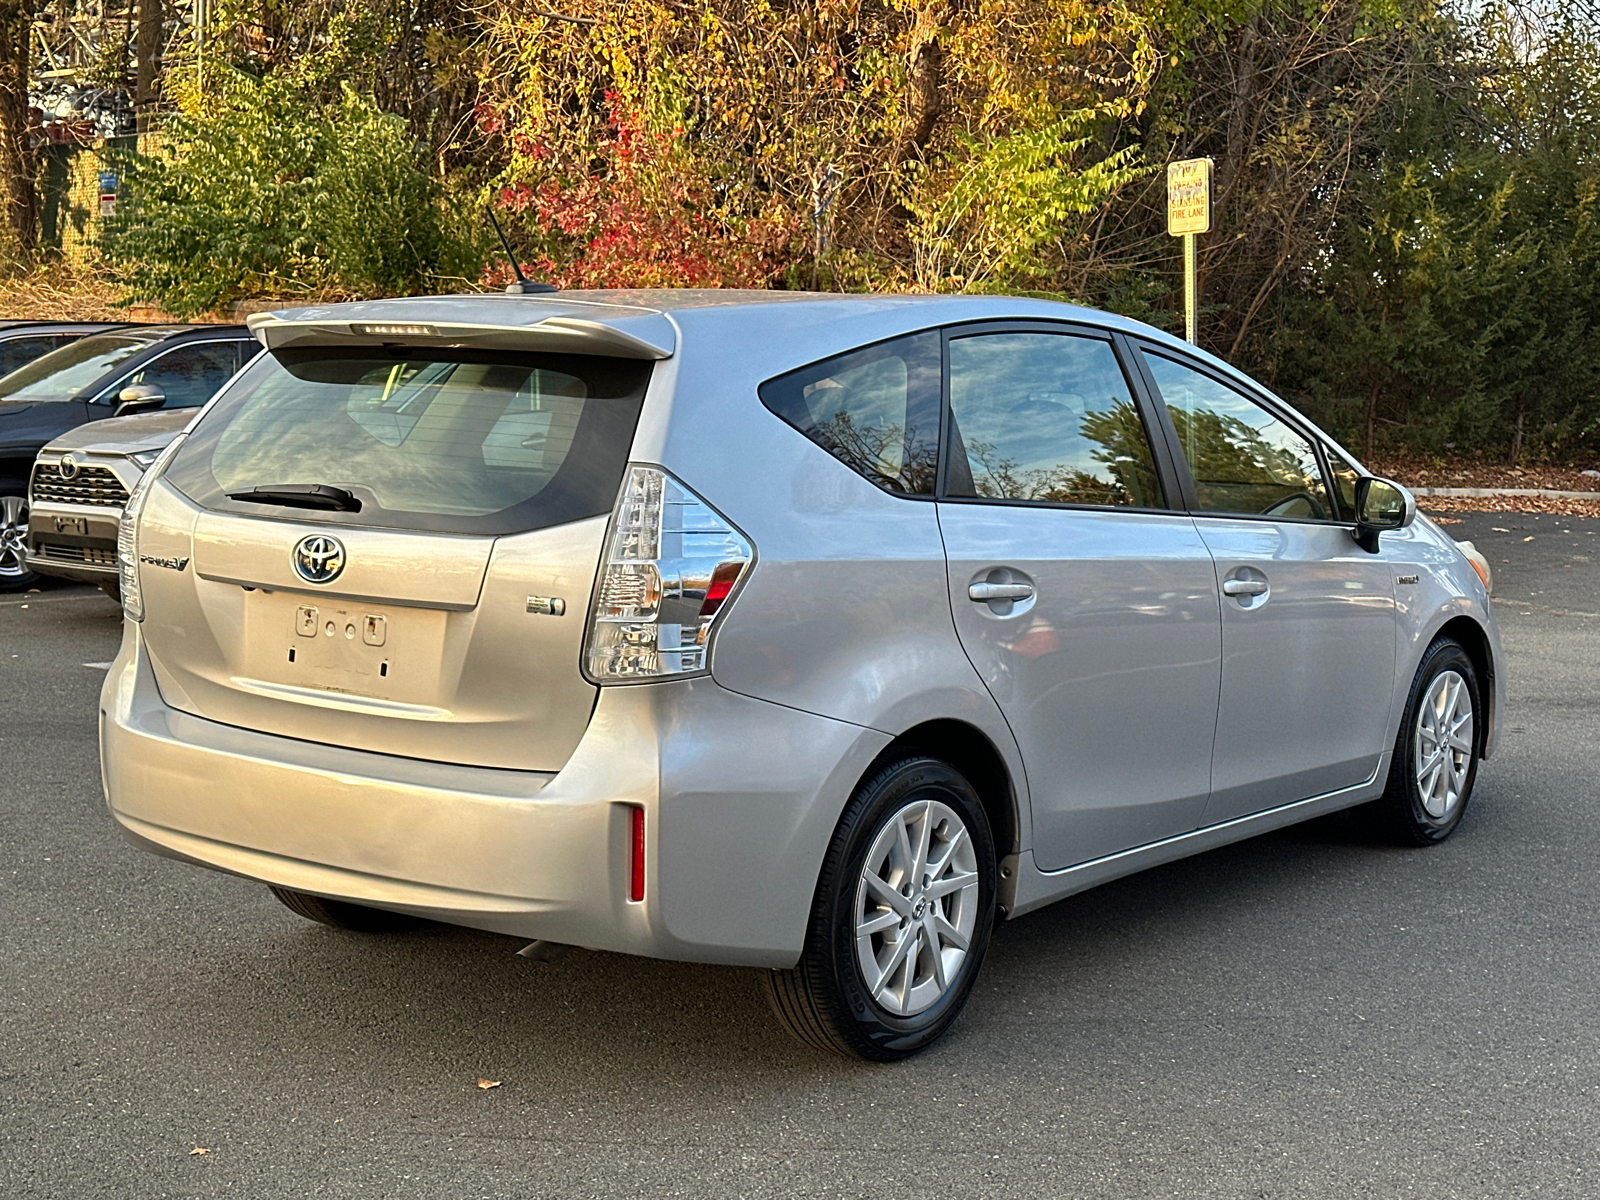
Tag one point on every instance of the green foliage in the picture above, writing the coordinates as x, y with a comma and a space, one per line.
984, 220
264, 193
1458, 301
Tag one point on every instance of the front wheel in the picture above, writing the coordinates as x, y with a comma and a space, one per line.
901, 920
1436, 753
15, 574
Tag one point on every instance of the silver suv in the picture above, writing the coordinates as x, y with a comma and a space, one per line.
79, 484
810, 633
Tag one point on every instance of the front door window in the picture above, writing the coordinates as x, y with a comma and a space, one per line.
1243, 459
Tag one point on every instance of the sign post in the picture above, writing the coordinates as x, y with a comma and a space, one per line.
1188, 215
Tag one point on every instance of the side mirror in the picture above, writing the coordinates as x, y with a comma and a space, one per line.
138, 398
1381, 504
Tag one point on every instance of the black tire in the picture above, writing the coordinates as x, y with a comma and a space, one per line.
1401, 812
112, 588
824, 1000
340, 913
15, 575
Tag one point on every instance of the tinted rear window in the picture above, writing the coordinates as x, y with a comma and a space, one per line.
449, 441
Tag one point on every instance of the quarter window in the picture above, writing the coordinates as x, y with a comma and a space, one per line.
1046, 417
1243, 459
876, 410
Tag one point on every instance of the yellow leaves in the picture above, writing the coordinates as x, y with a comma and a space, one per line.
486, 1084
198, 1150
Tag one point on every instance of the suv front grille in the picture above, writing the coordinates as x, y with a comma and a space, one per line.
92, 485
85, 555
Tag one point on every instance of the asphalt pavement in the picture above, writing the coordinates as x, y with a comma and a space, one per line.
1309, 1014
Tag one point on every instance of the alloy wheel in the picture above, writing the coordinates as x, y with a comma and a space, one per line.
1442, 754
13, 537
916, 908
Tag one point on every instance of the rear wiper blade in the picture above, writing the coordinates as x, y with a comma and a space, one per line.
302, 495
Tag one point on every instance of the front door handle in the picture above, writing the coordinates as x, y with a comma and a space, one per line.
1244, 587
984, 591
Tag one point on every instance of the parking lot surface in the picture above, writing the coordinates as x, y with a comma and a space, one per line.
1309, 1014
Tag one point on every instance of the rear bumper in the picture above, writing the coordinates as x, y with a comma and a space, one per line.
740, 796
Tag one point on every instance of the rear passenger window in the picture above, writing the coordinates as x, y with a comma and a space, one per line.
1046, 417
876, 410
1244, 460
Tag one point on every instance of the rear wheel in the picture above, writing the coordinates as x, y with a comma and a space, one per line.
340, 913
901, 920
14, 571
1436, 753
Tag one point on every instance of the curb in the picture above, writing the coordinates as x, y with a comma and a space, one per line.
1539, 493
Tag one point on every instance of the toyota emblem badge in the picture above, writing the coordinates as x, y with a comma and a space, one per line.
318, 558
68, 466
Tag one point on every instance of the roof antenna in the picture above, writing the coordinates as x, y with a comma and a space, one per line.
523, 285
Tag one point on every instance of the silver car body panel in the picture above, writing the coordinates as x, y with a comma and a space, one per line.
423, 646
537, 854
1122, 625
843, 637
1295, 717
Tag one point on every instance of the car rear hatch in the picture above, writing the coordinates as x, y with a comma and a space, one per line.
391, 539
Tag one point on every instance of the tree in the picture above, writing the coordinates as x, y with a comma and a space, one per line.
266, 194
17, 165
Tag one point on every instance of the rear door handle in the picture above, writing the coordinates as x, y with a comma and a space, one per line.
999, 591
1244, 587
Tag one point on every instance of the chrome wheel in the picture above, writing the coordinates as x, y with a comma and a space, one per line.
1443, 746
916, 907
13, 537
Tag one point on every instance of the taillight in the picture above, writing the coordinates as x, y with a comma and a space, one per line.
671, 562
128, 534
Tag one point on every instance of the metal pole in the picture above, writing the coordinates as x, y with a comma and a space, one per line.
1191, 289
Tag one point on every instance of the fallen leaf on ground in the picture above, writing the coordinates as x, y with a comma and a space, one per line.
198, 1150
486, 1084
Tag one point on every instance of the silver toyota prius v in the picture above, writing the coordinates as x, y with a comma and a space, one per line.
812, 633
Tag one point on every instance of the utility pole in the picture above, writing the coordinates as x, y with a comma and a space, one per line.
147, 63
1188, 216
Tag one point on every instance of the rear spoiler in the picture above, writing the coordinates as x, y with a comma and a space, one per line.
645, 335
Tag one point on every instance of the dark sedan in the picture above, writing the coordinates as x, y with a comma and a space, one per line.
126, 370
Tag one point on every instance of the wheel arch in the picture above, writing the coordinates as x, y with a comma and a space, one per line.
1474, 639
16, 470
970, 751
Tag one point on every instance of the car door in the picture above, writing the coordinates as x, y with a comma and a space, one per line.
1308, 617
1087, 604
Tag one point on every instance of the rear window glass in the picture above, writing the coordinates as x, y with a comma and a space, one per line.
451, 441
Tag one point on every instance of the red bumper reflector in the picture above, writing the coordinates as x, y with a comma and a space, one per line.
636, 873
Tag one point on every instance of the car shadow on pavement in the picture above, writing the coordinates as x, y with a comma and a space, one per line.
432, 1000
